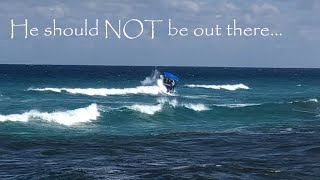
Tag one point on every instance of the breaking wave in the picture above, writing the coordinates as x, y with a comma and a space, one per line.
152, 109
196, 107
68, 118
175, 103
313, 100
226, 87
151, 90
146, 109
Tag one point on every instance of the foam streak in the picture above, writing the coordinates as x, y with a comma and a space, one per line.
226, 87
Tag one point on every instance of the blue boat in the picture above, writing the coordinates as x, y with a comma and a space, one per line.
169, 81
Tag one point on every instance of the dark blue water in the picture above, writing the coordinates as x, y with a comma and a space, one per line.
104, 122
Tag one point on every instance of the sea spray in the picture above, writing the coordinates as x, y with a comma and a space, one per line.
152, 79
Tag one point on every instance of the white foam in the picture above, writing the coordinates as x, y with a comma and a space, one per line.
175, 103
226, 87
152, 109
146, 109
196, 107
313, 100
68, 118
164, 100
236, 105
151, 90
197, 96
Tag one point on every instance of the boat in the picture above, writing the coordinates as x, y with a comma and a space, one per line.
169, 81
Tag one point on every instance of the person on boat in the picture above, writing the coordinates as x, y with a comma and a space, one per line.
169, 81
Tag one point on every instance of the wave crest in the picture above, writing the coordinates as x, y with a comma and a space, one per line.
151, 90
152, 109
68, 118
146, 109
312, 100
226, 87
196, 107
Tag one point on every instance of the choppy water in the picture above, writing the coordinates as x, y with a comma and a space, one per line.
100, 122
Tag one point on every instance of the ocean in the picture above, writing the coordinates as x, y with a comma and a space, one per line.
110, 122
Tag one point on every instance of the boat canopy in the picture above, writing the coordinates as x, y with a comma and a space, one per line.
170, 76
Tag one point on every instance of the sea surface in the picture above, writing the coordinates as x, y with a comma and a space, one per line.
109, 122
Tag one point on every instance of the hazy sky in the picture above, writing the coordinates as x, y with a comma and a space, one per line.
297, 20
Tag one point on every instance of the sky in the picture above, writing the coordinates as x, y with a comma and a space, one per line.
297, 20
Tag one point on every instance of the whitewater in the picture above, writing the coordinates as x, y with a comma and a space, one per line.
150, 90
69, 117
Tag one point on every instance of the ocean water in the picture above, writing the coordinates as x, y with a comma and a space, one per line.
108, 122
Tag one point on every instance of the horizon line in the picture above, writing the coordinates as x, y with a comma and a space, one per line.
186, 66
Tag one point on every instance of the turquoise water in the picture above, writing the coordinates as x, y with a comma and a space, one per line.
97, 122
